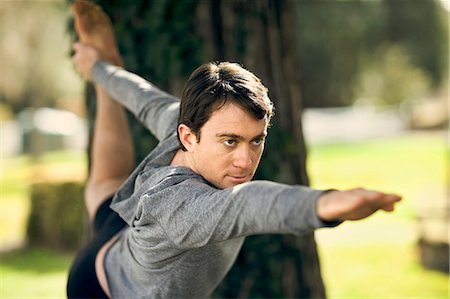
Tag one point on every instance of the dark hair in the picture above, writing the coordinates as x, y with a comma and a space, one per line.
212, 85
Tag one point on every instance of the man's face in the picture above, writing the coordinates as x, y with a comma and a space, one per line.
230, 147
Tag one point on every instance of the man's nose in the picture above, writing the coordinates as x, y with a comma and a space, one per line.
243, 158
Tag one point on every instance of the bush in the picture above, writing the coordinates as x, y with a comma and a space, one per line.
57, 219
434, 255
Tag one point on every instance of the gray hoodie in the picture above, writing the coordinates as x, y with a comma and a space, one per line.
184, 234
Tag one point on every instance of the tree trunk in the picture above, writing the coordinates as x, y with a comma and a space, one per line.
260, 34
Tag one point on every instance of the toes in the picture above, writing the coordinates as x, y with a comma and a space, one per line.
82, 11
82, 6
88, 17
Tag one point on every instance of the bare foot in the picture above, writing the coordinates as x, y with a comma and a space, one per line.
94, 28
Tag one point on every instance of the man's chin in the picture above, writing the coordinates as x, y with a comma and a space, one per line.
230, 182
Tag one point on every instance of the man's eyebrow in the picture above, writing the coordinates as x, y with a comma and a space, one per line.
239, 137
229, 135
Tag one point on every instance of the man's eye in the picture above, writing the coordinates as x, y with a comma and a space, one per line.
258, 141
230, 142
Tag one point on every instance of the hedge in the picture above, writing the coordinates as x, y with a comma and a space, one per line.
57, 219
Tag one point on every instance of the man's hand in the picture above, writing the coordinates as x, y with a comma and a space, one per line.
84, 59
354, 204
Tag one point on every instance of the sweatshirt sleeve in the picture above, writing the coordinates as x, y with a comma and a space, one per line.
155, 109
204, 215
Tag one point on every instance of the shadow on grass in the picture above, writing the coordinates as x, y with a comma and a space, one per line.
37, 260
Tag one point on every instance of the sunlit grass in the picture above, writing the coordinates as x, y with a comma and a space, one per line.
378, 257
13, 215
33, 273
379, 271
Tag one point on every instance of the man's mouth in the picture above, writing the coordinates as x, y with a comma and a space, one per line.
238, 179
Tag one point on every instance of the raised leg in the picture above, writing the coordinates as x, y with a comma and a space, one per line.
112, 146
112, 153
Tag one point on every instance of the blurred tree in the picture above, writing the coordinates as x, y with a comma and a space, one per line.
337, 40
417, 26
410, 59
334, 40
164, 44
35, 68
33, 54
392, 79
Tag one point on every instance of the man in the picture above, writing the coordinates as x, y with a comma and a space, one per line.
176, 224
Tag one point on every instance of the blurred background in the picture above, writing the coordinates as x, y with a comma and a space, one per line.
361, 90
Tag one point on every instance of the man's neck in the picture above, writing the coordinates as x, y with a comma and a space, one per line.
179, 159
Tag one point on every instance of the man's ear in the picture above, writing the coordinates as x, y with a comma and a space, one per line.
187, 137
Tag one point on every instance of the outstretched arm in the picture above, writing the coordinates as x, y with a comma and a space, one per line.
194, 214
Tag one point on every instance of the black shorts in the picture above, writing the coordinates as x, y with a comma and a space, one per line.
82, 282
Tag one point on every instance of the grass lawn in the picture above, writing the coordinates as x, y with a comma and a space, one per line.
374, 258
379, 271
34, 273
378, 257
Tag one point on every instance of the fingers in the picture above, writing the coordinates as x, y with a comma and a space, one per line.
83, 48
79, 49
388, 208
76, 46
386, 201
84, 58
379, 201
391, 200
376, 197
